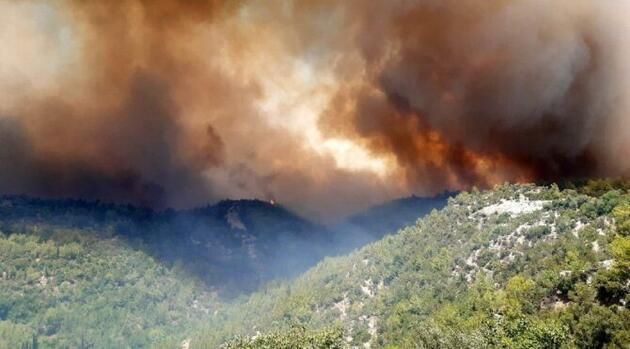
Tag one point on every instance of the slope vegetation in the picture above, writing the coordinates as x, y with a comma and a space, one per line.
62, 288
520, 266
77, 274
230, 246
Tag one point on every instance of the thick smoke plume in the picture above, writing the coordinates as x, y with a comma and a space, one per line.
325, 106
471, 92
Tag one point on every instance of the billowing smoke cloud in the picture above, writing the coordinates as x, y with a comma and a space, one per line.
325, 106
109, 126
468, 92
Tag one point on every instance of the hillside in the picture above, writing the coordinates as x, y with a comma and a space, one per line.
139, 276
77, 274
231, 246
69, 288
387, 218
520, 266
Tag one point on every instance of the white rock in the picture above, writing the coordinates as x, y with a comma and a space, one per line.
595, 246
514, 207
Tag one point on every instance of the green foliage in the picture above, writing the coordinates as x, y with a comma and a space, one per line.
519, 266
554, 275
598, 187
72, 289
296, 337
230, 246
622, 216
523, 332
14, 335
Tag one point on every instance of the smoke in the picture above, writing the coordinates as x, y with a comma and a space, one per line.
471, 92
324, 106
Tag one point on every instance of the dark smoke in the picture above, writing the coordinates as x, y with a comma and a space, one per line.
121, 139
462, 90
159, 102
130, 158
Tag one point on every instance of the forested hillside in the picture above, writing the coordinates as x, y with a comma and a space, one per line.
65, 288
95, 275
77, 274
230, 246
520, 266
387, 218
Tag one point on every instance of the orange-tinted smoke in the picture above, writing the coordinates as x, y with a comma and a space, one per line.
477, 92
113, 130
156, 103
159, 101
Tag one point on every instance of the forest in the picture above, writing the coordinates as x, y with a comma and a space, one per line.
519, 266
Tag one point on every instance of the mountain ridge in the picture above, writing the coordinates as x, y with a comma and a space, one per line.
231, 243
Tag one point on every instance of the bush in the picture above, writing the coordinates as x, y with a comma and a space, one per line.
296, 337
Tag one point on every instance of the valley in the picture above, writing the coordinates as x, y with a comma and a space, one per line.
519, 266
